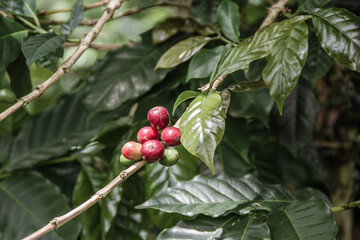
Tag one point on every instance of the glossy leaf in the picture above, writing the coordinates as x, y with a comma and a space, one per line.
228, 18
204, 62
182, 51
167, 29
225, 102
318, 63
310, 5
40, 45
43, 137
25, 8
19, 76
231, 163
204, 11
303, 220
159, 178
257, 46
31, 210
294, 128
12, 35
216, 196
338, 31
188, 94
75, 19
202, 127
123, 75
285, 62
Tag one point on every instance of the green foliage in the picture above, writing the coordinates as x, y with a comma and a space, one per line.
202, 127
41, 45
27, 205
62, 148
12, 35
338, 33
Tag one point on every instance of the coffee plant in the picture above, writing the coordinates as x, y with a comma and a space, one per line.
221, 119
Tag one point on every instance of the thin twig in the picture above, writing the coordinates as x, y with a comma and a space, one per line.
59, 221
65, 67
107, 47
274, 11
91, 22
346, 206
86, 7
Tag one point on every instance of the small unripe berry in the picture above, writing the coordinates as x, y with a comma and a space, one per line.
152, 151
170, 158
131, 150
159, 117
147, 133
170, 136
125, 161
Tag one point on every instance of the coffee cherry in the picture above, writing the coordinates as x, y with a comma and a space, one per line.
158, 117
7, 96
147, 133
170, 136
152, 151
170, 158
131, 150
125, 161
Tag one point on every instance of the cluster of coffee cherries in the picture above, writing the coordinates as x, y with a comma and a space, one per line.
148, 146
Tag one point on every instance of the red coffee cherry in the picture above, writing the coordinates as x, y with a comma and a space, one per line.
131, 150
170, 136
152, 151
158, 117
147, 133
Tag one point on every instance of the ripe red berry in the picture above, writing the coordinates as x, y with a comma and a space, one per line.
131, 150
152, 151
170, 136
158, 117
147, 133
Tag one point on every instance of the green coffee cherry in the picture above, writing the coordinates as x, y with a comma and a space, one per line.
125, 161
7, 96
170, 158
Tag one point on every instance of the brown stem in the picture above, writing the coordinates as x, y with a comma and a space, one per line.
107, 47
65, 67
59, 221
274, 11
91, 22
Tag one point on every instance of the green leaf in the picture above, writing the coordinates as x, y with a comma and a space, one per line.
19, 76
228, 18
232, 164
251, 104
182, 51
33, 201
202, 127
188, 94
12, 122
75, 19
338, 31
82, 191
318, 63
257, 46
123, 75
225, 102
204, 11
216, 196
25, 8
255, 70
159, 178
40, 45
285, 62
310, 5
50, 134
294, 128
167, 29
12, 35
204, 62
303, 220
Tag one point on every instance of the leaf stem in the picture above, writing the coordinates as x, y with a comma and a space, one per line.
29, 24
347, 206
245, 86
